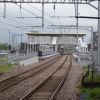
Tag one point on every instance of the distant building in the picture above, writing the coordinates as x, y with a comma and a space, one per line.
83, 47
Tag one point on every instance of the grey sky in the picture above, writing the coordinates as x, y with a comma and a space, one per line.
61, 10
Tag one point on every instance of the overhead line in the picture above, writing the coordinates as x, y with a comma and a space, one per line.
27, 17
33, 14
7, 24
44, 12
49, 2
27, 10
87, 17
39, 10
12, 19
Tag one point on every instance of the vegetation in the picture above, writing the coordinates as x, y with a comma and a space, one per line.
95, 78
3, 58
84, 68
90, 94
5, 67
87, 93
5, 46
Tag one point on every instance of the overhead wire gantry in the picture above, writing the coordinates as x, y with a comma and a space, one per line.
48, 1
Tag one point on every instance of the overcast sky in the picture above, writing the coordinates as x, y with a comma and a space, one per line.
13, 11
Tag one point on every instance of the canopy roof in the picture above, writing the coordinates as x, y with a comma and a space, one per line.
54, 34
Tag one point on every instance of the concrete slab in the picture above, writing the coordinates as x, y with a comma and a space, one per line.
29, 61
46, 56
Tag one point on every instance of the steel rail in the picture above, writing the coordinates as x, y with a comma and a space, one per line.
27, 70
16, 82
29, 94
53, 96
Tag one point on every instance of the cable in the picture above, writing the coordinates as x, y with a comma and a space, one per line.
27, 10
87, 17
36, 15
7, 24
38, 10
24, 19
12, 19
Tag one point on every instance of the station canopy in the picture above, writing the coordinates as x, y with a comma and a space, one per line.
36, 33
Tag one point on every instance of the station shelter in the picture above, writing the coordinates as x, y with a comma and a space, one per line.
52, 42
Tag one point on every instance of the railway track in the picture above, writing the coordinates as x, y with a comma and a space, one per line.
5, 84
48, 88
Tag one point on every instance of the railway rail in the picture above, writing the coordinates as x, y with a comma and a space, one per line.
48, 88
24, 75
20, 90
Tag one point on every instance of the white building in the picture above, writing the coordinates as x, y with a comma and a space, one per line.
83, 47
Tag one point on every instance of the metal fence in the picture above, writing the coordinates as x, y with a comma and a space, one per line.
85, 56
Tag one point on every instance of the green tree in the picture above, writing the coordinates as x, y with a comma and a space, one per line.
5, 46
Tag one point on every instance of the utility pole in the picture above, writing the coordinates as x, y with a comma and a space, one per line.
13, 41
77, 21
9, 40
98, 51
43, 14
5, 9
21, 37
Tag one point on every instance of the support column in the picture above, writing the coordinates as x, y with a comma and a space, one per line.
92, 40
42, 14
98, 51
28, 44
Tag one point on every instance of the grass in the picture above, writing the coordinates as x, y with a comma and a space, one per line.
5, 68
96, 77
87, 93
84, 68
91, 94
3, 59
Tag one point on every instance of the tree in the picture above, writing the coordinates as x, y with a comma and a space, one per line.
5, 46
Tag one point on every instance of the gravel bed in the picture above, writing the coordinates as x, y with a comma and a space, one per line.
16, 92
70, 89
49, 87
25, 75
19, 69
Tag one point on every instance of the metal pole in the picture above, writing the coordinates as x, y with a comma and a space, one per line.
21, 38
43, 14
5, 9
92, 39
98, 51
92, 75
77, 21
9, 37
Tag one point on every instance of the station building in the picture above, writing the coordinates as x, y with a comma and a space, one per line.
54, 42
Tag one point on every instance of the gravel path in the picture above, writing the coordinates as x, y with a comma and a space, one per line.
70, 89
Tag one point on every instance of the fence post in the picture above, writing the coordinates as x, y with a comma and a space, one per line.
92, 78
